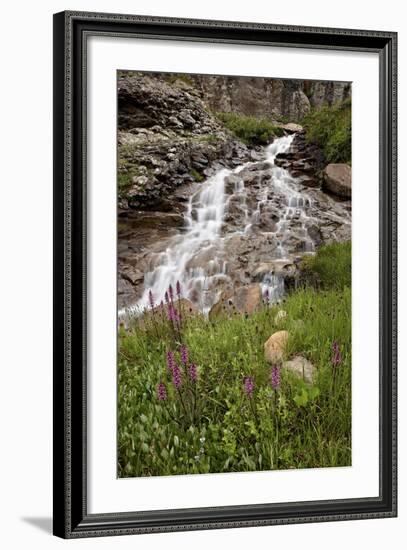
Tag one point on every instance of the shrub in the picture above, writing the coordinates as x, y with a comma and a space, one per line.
249, 129
331, 129
331, 266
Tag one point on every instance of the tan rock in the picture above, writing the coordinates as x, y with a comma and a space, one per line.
275, 346
245, 299
301, 367
338, 179
292, 128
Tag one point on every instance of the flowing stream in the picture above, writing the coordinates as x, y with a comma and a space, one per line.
197, 257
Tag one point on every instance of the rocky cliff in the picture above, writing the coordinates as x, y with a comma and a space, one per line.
266, 97
166, 138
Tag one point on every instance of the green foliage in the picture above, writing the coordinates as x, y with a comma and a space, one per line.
331, 129
196, 175
331, 266
212, 425
123, 180
127, 169
249, 129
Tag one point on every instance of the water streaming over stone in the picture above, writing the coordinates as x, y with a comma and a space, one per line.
296, 203
197, 257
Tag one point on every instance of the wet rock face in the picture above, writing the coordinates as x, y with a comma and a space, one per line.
139, 234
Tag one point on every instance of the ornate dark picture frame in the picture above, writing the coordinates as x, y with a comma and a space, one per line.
71, 518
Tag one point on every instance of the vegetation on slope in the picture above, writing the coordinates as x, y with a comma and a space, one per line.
249, 129
331, 129
331, 267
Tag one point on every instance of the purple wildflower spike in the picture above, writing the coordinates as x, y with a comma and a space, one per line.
248, 385
162, 305
275, 377
170, 360
151, 299
193, 372
171, 313
176, 376
161, 392
171, 293
266, 295
178, 289
336, 354
166, 298
184, 354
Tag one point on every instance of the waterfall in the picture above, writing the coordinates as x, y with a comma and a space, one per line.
296, 202
196, 257
203, 223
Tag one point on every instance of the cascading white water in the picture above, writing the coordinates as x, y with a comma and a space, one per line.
203, 221
296, 202
295, 206
195, 258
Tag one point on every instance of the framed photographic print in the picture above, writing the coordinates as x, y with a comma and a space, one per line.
224, 274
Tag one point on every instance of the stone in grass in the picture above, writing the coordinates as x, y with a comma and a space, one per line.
275, 345
301, 367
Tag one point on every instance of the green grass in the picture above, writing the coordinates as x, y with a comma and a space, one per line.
331, 267
212, 426
331, 129
249, 129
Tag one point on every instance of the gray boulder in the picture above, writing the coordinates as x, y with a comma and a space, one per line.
301, 367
